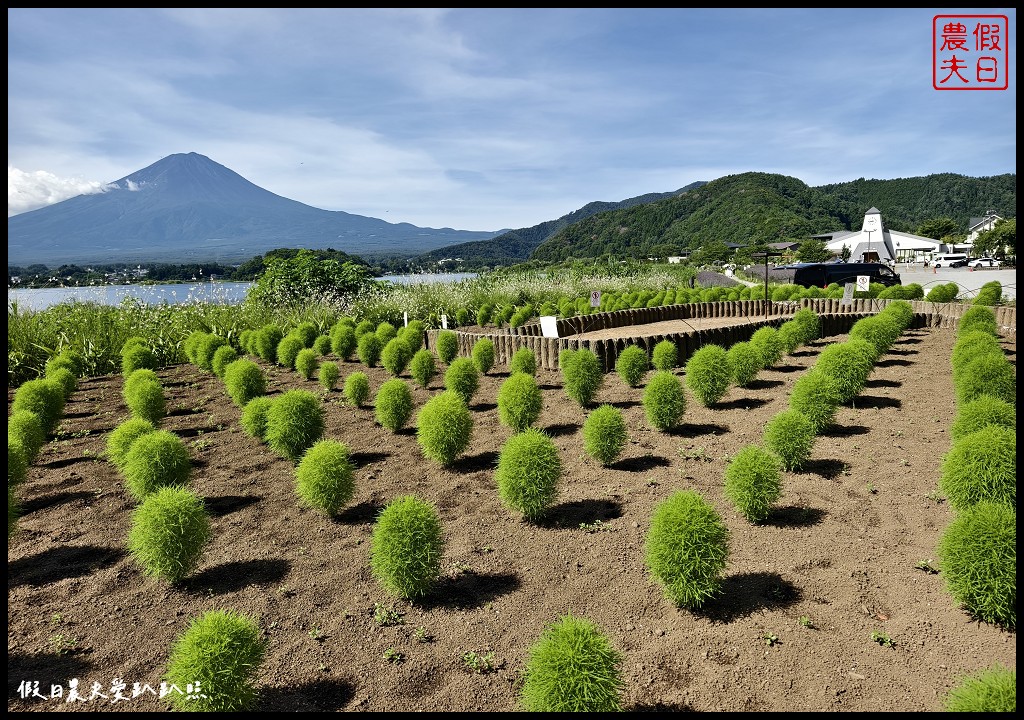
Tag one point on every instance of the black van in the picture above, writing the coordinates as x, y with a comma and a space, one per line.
824, 274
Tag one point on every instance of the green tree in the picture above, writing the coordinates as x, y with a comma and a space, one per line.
813, 250
845, 253
1000, 241
938, 228
305, 276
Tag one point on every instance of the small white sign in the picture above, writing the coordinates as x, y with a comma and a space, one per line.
847, 294
444, 322
405, 316
595, 298
549, 326
863, 283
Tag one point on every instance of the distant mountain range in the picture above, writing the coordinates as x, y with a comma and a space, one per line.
187, 208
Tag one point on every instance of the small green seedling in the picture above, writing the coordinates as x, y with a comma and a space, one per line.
394, 656
806, 622
770, 639
478, 663
926, 565
882, 639
385, 616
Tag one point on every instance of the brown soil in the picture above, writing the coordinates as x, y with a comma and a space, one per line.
841, 549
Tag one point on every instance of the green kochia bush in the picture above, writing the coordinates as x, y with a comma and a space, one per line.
369, 348
221, 651
206, 348
328, 375
447, 346
519, 401
65, 378
121, 438
632, 365
306, 332
394, 404
385, 332
753, 482
322, 345
254, 416
288, 349
222, 357
407, 547
810, 325
524, 361
422, 367
343, 341
295, 420
665, 355
944, 293
138, 376
582, 375
45, 398
981, 466
306, 363
395, 356
170, 531
529, 469
17, 461
357, 388
790, 435
605, 434
687, 548
664, 400
444, 427
978, 317
463, 377
25, 427
147, 401
978, 556
816, 396
790, 336
708, 374
848, 364
989, 373
993, 689
244, 380
154, 460
746, 361
324, 477
983, 410
573, 667
483, 355
767, 342
364, 326
970, 345
137, 356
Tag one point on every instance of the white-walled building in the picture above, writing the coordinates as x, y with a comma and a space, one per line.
980, 224
876, 243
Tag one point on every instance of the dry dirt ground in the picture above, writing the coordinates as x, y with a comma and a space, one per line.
845, 555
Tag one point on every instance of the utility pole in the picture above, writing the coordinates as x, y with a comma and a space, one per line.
766, 254
869, 241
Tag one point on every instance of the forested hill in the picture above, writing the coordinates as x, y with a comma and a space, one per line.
756, 208
516, 246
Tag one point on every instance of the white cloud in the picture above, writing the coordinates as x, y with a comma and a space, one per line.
33, 190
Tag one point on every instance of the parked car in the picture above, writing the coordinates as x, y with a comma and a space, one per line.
824, 274
984, 262
952, 260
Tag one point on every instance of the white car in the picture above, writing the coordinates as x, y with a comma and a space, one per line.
983, 262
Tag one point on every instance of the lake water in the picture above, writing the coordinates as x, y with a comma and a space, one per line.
227, 293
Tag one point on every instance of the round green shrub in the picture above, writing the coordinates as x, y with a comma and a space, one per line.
447, 346
295, 420
462, 376
981, 466
363, 327
244, 380
816, 396
254, 416
746, 362
519, 401
121, 438
978, 317
422, 367
790, 337
407, 547
385, 332
324, 477
395, 356
154, 460
687, 548
329, 375
357, 388
766, 341
664, 400
25, 427
573, 667
135, 357
790, 435
605, 434
810, 325
190, 345
991, 690
170, 529
665, 355
414, 333
306, 332
483, 355
987, 296
17, 461
632, 365
307, 362
708, 374
523, 360
393, 404
245, 341
879, 330
221, 651
983, 410
147, 401
368, 349
137, 377
68, 358
970, 345
222, 357
267, 339
206, 348
444, 426
288, 349
484, 313
462, 317
944, 293
45, 398
343, 341
753, 482
989, 373
529, 469
322, 345
978, 556
848, 364
582, 375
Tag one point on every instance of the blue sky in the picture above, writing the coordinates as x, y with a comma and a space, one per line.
481, 119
